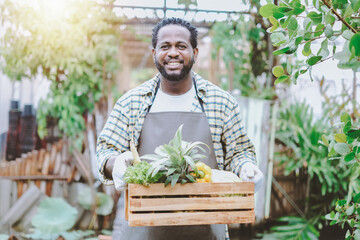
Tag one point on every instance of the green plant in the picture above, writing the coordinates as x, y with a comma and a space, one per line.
53, 217
344, 147
245, 50
347, 213
177, 158
138, 174
299, 134
296, 228
104, 203
73, 44
298, 23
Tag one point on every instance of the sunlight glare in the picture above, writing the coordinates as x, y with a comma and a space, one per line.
55, 10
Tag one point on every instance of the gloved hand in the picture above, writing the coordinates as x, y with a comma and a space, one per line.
251, 173
122, 161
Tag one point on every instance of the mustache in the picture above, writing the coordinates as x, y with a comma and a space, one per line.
167, 61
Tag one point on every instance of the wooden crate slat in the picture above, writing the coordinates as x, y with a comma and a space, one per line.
192, 188
203, 203
189, 218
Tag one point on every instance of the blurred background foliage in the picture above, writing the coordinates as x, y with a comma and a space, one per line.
245, 48
74, 47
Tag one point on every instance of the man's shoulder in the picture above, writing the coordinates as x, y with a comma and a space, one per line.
139, 91
214, 92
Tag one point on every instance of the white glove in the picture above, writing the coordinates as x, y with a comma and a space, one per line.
251, 173
121, 163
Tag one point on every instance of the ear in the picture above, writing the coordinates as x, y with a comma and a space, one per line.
153, 53
195, 52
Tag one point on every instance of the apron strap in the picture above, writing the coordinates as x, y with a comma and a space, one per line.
200, 100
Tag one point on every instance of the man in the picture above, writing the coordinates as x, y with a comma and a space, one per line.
151, 113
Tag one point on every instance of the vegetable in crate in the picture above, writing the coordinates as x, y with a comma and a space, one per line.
138, 174
178, 159
204, 173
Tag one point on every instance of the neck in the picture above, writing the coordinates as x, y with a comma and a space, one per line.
176, 88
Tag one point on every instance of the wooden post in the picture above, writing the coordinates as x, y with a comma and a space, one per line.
124, 76
231, 76
214, 67
39, 166
45, 171
20, 184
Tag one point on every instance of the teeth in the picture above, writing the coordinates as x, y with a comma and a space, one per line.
173, 63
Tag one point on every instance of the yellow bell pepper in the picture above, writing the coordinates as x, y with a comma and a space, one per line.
204, 172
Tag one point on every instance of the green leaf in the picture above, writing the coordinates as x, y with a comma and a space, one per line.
350, 210
104, 203
307, 24
341, 148
329, 18
282, 79
284, 10
324, 50
174, 179
331, 152
325, 140
54, 215
278, 71
293, 24
328, 31
267, 10
315, 17
319, 30
355, 5
357, 231
340, 138
341, 203
277, 38
307, 50
281, 51
348, 34
357, 198
355, 44
350, 156
353, 133
313, 60
348, 12
274, 22
191, 178
298, 9
345, 117
347, 127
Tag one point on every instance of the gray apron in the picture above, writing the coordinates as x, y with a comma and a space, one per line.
159, 128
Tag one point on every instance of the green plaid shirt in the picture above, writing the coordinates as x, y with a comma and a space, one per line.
231, 143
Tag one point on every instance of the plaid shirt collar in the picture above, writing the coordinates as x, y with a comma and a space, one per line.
150, 87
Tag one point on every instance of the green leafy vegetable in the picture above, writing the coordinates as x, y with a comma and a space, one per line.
139, 174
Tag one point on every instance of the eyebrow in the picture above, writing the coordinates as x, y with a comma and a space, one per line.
167, 42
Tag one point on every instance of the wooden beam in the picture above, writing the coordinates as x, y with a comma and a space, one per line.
21, 206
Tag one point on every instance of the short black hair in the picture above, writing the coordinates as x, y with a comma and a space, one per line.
175, 21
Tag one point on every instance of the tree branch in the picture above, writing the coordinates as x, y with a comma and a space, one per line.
339, 17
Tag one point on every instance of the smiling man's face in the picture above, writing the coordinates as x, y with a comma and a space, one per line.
174, 55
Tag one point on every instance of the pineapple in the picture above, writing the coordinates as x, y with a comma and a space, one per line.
177, 159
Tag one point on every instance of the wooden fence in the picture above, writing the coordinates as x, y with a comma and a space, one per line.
42, 167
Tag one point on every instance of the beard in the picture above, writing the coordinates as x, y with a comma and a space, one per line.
175, 77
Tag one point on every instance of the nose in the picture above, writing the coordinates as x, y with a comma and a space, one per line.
173, 52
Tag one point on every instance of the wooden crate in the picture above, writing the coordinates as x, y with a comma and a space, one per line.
189, 204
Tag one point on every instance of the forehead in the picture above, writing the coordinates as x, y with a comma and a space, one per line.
173, 33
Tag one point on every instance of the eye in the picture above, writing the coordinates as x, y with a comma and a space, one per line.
182, 46
164, 47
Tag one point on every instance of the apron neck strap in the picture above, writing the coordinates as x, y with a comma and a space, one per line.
200, 100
